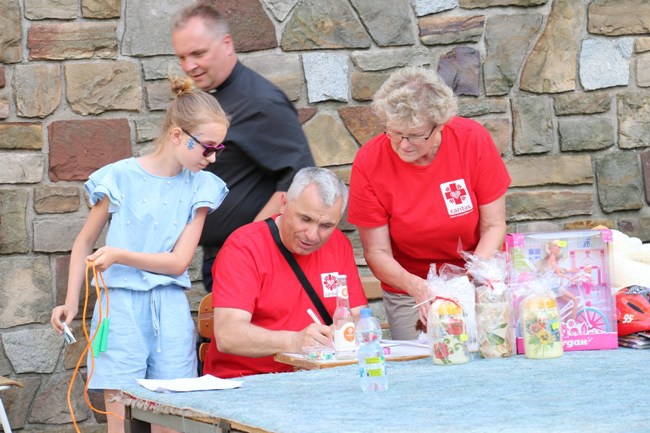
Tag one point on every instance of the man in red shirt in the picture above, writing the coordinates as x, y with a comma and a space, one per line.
260, 306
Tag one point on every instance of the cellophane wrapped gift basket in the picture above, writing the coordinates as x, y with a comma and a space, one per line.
574, 267
494, 313
451, 324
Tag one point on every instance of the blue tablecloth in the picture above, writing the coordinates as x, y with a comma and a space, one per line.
589, 391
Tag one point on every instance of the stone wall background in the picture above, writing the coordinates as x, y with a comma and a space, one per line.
563, 85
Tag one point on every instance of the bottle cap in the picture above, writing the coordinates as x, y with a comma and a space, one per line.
366, 312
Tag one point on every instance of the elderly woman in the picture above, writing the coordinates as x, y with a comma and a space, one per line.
430, 180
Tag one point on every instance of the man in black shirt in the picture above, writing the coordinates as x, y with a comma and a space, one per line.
265, 144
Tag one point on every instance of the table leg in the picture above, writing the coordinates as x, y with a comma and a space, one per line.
132, 425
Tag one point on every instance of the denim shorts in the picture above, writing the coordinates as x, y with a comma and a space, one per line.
151, 335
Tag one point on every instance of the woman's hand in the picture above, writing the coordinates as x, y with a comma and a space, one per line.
419, 290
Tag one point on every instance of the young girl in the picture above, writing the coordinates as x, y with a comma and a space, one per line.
156, 205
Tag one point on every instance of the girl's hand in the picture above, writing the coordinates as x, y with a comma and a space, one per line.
62, 311
104, 257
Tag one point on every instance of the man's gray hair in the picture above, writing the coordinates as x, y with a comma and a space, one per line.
330, 186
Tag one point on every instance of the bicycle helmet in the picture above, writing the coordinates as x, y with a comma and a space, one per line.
633, 309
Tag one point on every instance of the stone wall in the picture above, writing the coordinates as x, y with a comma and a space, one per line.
563, 85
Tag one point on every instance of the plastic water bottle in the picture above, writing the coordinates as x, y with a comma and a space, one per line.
345, 346
372, 364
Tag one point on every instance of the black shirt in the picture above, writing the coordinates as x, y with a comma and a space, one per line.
265, 147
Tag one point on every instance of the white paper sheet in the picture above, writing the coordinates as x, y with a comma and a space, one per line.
203, 383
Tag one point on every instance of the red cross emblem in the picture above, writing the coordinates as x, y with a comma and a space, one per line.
455, 194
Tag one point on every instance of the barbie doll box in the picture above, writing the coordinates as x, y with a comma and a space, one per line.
571, 267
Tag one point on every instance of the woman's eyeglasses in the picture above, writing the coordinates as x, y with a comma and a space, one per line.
396, 139
207, 149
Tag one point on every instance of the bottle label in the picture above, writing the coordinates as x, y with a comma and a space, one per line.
375, 366
344, 338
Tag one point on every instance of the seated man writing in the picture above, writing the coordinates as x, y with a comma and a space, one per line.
260, 305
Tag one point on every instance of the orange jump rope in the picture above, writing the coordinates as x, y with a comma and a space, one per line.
96, 344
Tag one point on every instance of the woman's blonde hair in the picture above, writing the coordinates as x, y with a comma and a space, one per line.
190, 108
414, 96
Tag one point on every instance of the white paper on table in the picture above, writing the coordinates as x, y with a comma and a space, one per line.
203, 383
400, 348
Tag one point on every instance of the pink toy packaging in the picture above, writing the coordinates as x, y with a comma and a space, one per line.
575, 267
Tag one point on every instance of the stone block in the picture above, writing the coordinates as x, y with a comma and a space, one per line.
548, 204
316, 25
2, 77
605, 63
643, 70
388, 22
56, 199
52, 409
14, 238
500, 132
426, 7
585, 133
25, 294
365, 84
159, 95
327, 77
94, 88
620, 185
582, 103
399, 57
55, 235
459, 68
148, 128
33, 350
11, 32
473, 107
588, 223
101, 9
61, 273
537, 226
567, 169
72, 40
50, 9
4, 108
305, 114
619, 17
160, 68
15, 135
642, 44
551, 66
280, 8
283, 70
329, 141
250, 26
21, 168
633, 120
18, 401
444, 30
79, 147
645, 164
362, 123
37, 89
533, 124
507, 40
470, 4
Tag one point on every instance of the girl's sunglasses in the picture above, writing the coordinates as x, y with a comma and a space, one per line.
207, 149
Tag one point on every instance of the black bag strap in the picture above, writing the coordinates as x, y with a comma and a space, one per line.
327, 319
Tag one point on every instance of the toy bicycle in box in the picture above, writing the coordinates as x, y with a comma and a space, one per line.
574, 264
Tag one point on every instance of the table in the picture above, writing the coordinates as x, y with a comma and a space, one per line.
399, 351
589, 391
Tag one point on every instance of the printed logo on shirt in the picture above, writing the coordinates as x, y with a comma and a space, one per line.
456, 198
330, 284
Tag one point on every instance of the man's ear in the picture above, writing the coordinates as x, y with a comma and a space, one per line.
283, 202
